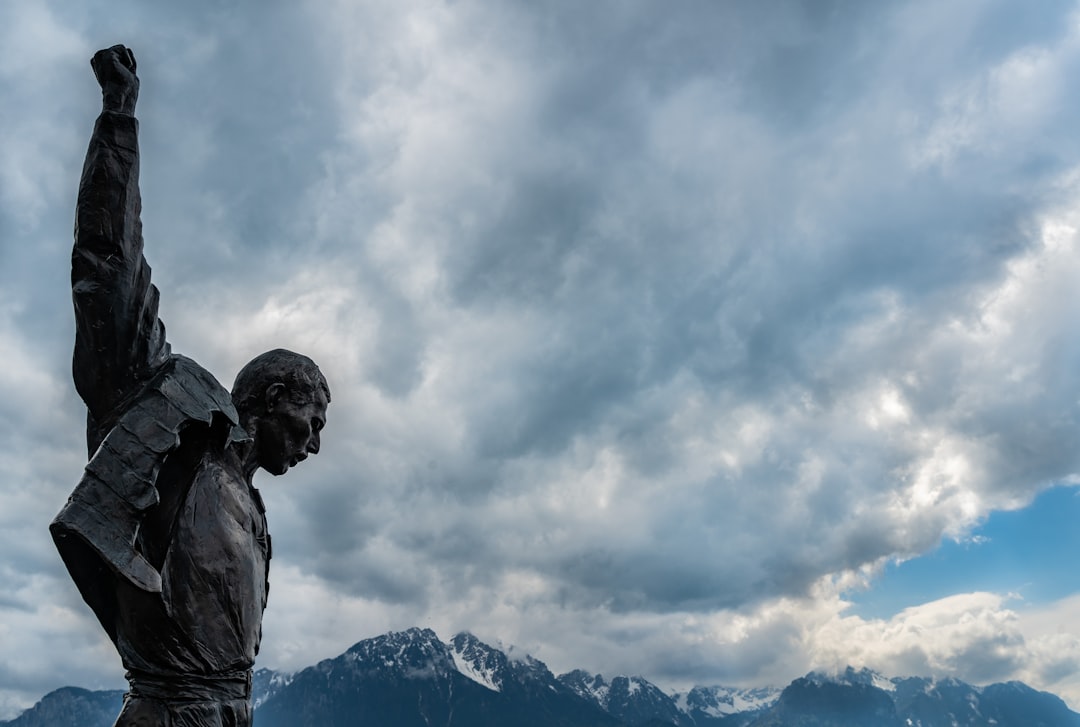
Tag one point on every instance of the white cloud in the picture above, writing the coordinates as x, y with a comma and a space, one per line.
39, 48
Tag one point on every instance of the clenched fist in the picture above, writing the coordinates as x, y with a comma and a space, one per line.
114, 69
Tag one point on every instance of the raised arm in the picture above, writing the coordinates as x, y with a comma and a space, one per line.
119, 340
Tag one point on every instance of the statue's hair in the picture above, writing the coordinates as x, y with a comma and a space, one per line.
297, 372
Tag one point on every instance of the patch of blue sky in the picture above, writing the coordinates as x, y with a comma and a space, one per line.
1032, 552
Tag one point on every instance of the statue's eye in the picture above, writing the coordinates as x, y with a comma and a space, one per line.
317, 424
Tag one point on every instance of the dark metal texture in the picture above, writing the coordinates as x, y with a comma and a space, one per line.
164, 535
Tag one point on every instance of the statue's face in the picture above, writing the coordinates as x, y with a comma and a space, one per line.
289, 431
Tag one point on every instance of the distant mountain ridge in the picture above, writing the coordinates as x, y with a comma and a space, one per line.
412, 678
858, 698
72, 707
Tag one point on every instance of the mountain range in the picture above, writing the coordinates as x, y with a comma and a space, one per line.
414, 679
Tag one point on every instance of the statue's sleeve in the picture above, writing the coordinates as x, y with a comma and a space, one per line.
119, 346
119, 340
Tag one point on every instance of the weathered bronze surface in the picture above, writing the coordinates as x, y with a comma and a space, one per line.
164, 535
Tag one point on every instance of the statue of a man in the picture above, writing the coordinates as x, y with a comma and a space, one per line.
164, 535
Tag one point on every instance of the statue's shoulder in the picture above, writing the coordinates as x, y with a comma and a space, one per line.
119, 484
185, 393
194, 390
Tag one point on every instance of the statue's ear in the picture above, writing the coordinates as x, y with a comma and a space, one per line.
275, 393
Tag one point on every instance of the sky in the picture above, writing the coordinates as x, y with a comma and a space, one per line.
713, 342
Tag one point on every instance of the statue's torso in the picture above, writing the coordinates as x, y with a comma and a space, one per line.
214, 552
177, 571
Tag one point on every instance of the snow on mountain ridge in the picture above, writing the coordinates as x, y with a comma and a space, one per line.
474, 661
588, 686
853, 677
718, 701
415, 653
266, 683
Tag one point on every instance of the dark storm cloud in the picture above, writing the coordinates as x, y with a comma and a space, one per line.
225, 172
642, 322
718, 235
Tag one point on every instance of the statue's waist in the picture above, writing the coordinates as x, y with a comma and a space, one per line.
222, 687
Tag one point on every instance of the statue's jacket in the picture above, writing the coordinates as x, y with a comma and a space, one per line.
119, 485
163, 535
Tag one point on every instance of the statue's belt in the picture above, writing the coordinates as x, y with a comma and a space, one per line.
191, 687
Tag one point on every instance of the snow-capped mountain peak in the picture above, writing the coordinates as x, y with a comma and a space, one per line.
588, 686
478, 661
632, 699
718, 701
853, 677
414, 653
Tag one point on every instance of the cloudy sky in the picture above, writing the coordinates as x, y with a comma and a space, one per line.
709, 341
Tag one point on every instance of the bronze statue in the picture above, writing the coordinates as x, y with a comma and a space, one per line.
164, 535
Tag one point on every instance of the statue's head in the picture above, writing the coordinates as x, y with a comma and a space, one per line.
281, 397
